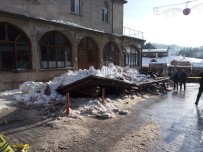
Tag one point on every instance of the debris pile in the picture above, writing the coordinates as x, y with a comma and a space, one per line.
53, 103
39, 92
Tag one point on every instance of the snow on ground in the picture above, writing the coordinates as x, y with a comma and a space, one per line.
35, 93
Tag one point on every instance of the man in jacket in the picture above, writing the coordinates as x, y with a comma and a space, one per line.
175, 79
200, 89
183, 79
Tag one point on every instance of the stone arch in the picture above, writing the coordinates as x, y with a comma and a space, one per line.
15, 48
111, 54
88, 54
131, 56
55, 50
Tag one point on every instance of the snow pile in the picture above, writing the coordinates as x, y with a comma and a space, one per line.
6, 98
9, 92
39, 92
134, 75
94, 107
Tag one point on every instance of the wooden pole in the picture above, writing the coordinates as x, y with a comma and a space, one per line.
103, 94
67, 103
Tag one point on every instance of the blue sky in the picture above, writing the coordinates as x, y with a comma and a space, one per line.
169, 28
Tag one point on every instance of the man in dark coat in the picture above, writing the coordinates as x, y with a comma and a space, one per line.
175, 79
183, 79
200, 89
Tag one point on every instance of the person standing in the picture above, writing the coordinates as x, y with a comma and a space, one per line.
175, 79
200, 89
183, 79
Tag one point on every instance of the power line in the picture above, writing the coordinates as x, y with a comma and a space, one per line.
167, 9
177, 4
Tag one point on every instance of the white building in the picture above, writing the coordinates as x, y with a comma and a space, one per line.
166, 65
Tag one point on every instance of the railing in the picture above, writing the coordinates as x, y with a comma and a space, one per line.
193, 79
132, 33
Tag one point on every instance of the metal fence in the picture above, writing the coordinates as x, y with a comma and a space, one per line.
132, 33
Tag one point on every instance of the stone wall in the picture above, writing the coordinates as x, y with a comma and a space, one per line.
35, 28
90, 17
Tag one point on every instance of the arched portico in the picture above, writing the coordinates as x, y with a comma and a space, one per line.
55, 51
111, 54
131, 56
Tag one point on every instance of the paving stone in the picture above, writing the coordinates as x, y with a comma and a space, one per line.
180, 122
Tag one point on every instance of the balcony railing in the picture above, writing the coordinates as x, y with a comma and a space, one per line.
132, 33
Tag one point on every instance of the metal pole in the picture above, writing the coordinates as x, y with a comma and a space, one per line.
103, 94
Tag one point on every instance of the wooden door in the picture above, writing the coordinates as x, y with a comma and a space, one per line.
87, 58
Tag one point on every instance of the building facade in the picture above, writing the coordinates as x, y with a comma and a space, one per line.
155, 53
41, 39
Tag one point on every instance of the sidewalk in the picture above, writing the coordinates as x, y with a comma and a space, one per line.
170, 123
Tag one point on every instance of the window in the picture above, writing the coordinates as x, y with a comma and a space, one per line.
75, 6
55, 51
105, 13
111, 54
15, 50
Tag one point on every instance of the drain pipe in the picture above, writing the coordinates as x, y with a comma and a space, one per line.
112, 15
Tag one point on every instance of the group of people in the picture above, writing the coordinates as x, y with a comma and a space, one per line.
179, 78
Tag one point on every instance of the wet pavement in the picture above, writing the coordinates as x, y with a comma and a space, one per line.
181, 122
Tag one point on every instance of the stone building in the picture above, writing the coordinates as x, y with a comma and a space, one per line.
41, 39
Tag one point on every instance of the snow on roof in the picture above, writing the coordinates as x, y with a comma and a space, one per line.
74, 25
167, 60
154, 50
194, 60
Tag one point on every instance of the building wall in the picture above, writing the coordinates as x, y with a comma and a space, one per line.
91, 12
118, 18
149, 54
154, 54
34, 29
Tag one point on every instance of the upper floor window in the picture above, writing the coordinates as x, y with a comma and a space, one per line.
105, 13
76, 6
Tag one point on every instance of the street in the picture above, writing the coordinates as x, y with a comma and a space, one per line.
169, 123
180, 120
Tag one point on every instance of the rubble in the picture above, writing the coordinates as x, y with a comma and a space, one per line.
125, 81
